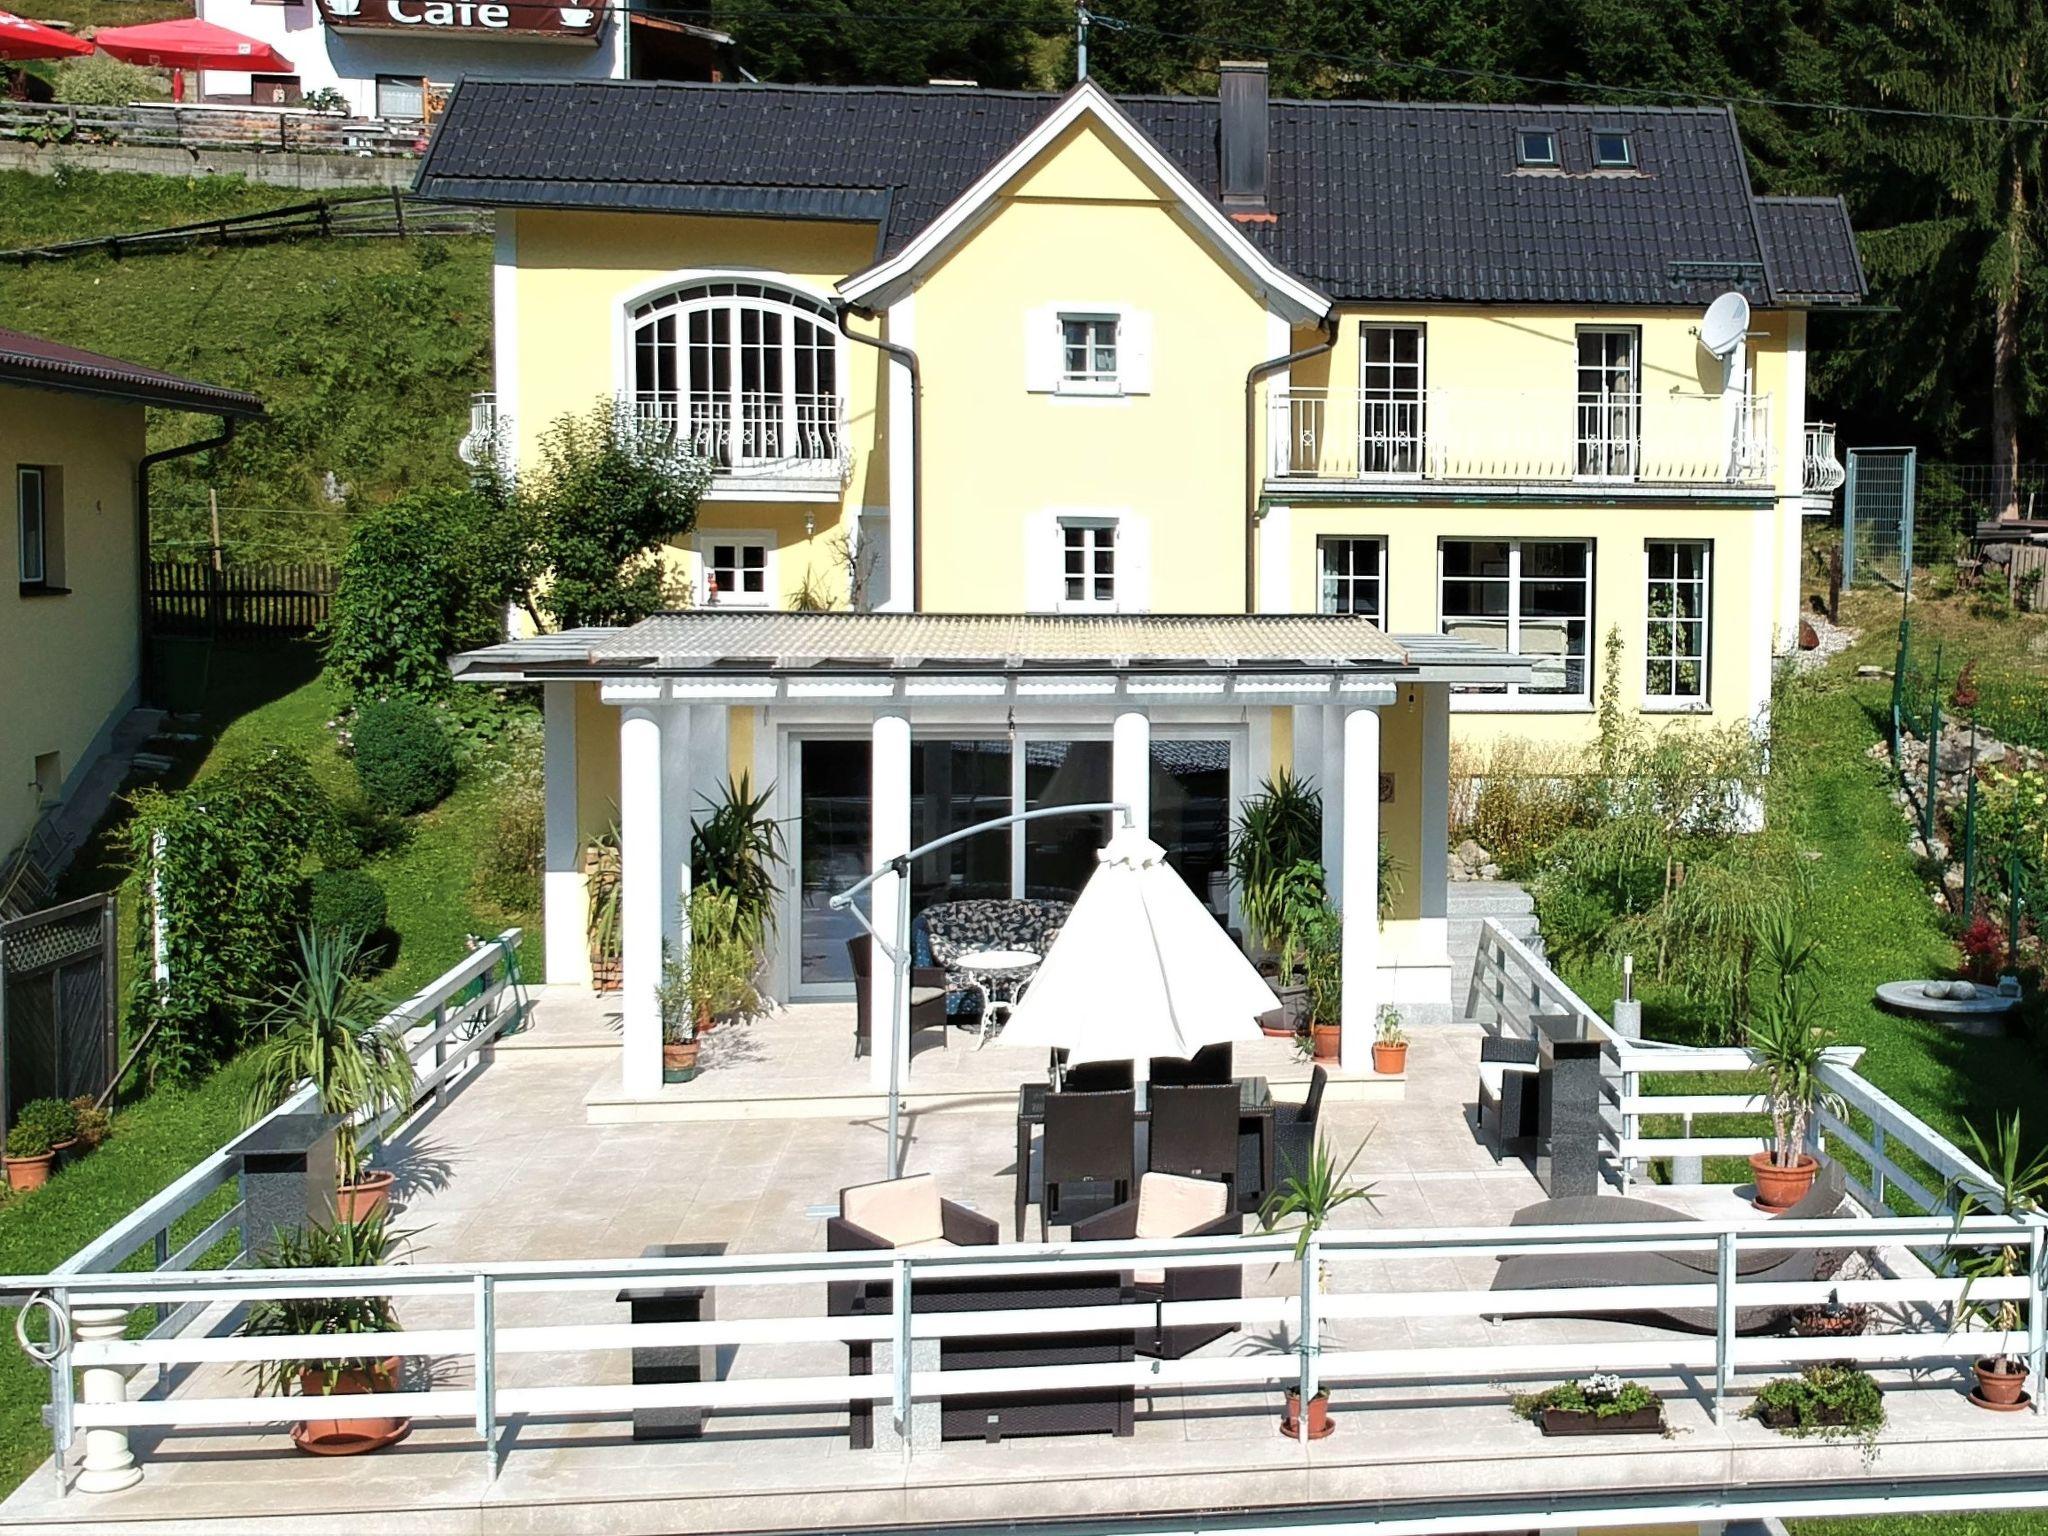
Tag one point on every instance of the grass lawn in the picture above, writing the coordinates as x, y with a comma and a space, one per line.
256, 695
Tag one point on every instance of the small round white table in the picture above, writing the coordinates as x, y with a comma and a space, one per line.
999, 976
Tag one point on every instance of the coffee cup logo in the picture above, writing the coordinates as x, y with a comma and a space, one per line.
344, 7
577, 16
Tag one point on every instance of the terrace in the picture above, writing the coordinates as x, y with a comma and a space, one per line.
529, 1211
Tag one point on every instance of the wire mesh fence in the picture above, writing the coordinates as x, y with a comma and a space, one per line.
1877, 517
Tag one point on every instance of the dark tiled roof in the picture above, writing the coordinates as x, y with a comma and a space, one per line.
1811, 249
30, 360
1405, 202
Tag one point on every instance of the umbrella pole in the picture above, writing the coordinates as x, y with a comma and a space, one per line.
899, 980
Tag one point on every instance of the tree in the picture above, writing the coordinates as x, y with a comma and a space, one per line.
833, 42
609, 491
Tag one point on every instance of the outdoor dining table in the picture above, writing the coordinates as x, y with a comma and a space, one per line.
1254, 1112
992, 972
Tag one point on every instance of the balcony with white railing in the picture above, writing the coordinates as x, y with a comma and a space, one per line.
756, 442
1822, 473
1462, 438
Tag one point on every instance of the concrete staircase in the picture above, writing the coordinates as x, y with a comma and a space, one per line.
1471, 903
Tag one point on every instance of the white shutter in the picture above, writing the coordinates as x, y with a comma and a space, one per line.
1042, 350
1133, 565
1134, 352
1042, 585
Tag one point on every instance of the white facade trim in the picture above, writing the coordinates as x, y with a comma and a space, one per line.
901, 586
564, 917
505, 359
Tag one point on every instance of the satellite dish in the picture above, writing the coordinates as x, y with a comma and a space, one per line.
1725, 325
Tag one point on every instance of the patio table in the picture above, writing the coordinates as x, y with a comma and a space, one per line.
1254, 1112
994, 971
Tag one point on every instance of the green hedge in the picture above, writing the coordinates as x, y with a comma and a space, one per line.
403, 756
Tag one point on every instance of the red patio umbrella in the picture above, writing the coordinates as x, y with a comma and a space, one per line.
21, 39
191, 44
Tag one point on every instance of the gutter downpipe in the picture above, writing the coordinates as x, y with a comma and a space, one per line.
145, 682
1328, 325
902, 354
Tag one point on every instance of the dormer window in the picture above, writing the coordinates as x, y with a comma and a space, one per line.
1536, 147
1612, 150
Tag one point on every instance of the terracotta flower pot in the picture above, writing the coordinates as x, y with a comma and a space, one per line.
29, 1172
679, 1062
349, 1437
1319, 1425
1779, 1189
365, 1198
1329, 1040
2001, 1385
1390, 1059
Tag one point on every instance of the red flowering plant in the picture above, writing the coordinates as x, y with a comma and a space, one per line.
1983, 944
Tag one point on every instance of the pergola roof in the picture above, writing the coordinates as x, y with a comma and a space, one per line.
766, 642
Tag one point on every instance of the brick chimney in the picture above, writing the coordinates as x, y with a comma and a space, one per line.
1244, 140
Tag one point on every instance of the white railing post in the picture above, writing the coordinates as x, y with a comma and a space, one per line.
1877, 1161
1306, 1383
1724, 1324
485, 1309
2037, 1309
109, 1464
899, 1392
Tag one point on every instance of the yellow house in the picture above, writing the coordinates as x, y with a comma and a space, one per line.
72, 451
1159, 444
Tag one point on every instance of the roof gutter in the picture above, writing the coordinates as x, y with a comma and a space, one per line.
143, 466
1327, 324
902, 354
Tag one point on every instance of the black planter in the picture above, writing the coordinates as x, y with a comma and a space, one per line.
1576, 1421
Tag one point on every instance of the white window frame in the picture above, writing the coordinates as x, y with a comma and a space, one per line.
1511, 697
1327, 580
1607, 422
1393, 422
1627, 162
1094, 527
739, 538
1091, 381
1522, 136
1680, 703
26, 475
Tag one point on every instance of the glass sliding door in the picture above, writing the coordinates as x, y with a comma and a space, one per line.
1059, 852
1190, 792
834, 839
953, 786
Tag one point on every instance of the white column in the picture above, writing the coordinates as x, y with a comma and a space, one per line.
680, 805
1130, 769
109, 1464
564, 915
1333, 786
641, 861
1361, 864
889, 823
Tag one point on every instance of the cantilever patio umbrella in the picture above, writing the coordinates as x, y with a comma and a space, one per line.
1140, 969
191, 44
20, 39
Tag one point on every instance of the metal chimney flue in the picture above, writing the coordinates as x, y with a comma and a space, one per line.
1245, 140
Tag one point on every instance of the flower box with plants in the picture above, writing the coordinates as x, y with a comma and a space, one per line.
1389, 1045
2019, 1187
1599, 1404
1830, 1402
1311, 1196
324, 1026
339, 1245
40, 1131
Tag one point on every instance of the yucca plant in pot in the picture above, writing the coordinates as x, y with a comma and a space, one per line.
1790, 1049
1279, 828
1311, 1196
604, 889
1298, 900
1320, 935
2019, 1187
338, 1245
323, 1025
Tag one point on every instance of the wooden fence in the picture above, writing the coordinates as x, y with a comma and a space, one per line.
210, 127
189, 597
372, 214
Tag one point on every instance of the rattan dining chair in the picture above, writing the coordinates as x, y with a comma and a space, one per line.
1194, 1132
1087, 1140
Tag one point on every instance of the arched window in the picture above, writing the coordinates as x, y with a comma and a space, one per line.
747, 371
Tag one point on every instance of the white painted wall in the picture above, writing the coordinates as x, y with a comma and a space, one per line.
351, 62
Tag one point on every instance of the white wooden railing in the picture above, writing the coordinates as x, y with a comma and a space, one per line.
1505, 436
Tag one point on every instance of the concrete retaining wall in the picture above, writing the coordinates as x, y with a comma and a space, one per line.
312, 173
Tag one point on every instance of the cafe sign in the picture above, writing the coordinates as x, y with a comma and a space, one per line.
469, 18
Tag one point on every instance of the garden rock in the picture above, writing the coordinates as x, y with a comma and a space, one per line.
1469, 861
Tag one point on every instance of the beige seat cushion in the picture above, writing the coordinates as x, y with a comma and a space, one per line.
903, 1212
1173, 1205
929, 1245
922, 995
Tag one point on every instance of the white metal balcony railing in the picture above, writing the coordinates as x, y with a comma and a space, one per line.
1822, 474
480, 441
779, 436
1505, 436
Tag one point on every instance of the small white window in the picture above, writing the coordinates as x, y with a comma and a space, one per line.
1088, 353
1087, 566
32, 503
1612, 150
735, 573
1677, 616
401, 96
1536, 146
1354, 577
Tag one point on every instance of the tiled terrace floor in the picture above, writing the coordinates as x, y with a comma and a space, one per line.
511, 1167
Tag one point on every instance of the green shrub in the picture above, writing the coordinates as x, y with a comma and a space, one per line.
509, 869
403, 756
100, 80
41, 1125
1831, 1402
346, 901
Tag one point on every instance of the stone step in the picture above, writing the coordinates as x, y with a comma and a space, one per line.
1487, 898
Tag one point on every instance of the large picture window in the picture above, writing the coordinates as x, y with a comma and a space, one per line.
1677, 609
1532, 597
747, 372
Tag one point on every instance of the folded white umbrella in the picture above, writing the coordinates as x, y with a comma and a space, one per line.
1140, 969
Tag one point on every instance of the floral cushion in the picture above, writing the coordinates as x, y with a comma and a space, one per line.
952, 928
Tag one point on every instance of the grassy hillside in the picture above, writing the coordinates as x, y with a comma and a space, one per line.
366, 351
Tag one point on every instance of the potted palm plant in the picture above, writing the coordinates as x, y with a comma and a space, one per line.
2019, 1187
1279, 828
601, 878
1296, 899
324, 1026
738, 849
1390, 1045
1311, 1196
1320, 936
341, 1245
1790, 1048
